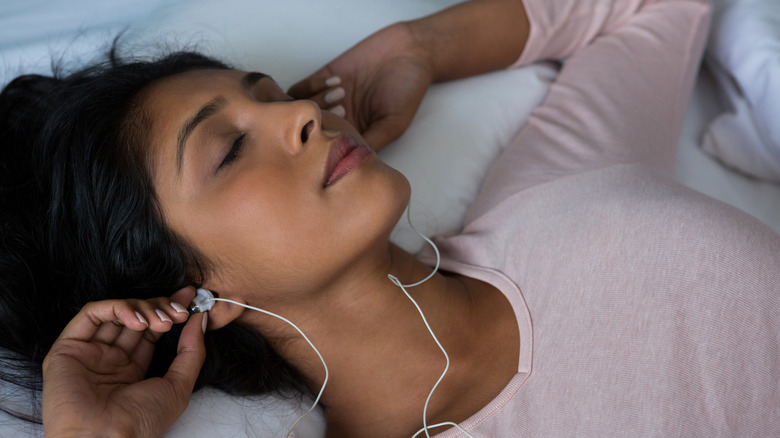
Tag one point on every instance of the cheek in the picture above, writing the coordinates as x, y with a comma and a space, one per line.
290, 237
259, 211
262, 229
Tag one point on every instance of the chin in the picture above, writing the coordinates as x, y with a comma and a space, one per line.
404, 194
398, 195
387, 206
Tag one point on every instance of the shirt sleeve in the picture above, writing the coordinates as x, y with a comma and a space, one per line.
620, 96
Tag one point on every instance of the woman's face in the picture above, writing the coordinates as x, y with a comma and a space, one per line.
281, 197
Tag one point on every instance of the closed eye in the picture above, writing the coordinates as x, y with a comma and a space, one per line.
232, 154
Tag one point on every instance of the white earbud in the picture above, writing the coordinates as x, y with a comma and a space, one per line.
203, 301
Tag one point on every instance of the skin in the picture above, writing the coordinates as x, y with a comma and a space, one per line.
279, 240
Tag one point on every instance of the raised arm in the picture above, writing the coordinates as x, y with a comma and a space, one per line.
472, 37
379, 83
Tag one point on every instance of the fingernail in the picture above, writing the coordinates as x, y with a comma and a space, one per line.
333, 81
141, 318
335, 94
204, 322
339, 110
178, 307
163, 317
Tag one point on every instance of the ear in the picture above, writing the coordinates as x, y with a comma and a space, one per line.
223, 314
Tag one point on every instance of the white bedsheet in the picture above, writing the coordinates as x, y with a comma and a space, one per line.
706, 174
744, 55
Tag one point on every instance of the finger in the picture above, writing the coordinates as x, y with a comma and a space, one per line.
167, 309
159, 315
128, 340
108, 332
330, 97
340, 111
157, 321
142, 352
182, 298
314, 83
381, 132
190, 355
87, 322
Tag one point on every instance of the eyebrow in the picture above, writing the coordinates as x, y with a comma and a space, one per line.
214, 106
251, 78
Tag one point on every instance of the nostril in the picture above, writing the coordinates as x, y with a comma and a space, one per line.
306, 131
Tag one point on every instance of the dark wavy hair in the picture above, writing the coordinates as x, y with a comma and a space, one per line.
79, 222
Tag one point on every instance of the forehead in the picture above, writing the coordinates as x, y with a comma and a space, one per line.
192, 86
189, 87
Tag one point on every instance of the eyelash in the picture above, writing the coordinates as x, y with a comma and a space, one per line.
234, 151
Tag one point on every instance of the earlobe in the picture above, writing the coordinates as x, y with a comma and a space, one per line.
223, 314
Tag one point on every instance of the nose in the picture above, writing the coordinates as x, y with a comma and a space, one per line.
305, 121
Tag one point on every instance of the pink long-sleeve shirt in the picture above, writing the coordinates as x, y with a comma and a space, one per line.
644, 308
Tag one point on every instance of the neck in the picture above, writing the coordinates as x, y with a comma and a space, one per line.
382, 360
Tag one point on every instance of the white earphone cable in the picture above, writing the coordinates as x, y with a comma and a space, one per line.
324, 365
403, 287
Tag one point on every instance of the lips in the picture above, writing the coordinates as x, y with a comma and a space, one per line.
346, 153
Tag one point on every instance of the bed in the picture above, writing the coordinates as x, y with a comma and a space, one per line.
727, 148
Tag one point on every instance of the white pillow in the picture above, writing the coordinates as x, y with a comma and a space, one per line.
745, 45
35, 32
458, 131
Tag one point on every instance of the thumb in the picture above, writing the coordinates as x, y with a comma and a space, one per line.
190, 356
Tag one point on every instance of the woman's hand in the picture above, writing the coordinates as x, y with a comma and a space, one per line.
94, 375
382, 79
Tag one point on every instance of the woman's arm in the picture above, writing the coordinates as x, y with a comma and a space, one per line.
472, 37
382, 80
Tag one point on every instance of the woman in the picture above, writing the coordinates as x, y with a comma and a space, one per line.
654, 309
